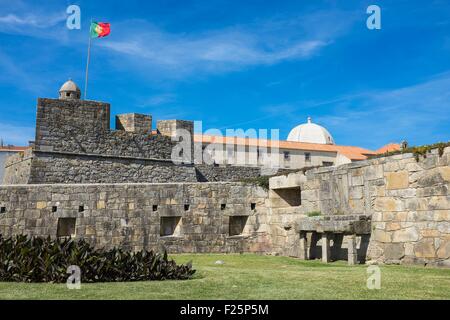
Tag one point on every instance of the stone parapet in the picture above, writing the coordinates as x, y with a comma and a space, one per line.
133, 216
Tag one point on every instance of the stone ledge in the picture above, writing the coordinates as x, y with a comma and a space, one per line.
347, 225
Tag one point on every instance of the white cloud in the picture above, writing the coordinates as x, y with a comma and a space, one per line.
139, 46
158, 100
12, 20
31, 24
168, 54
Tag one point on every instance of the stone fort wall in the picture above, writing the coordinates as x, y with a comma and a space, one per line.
206, 217
74, 144
407, 200
83, 127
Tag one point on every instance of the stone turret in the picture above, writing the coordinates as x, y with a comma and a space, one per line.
69, 91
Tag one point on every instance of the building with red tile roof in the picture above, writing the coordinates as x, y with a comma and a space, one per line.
308, 145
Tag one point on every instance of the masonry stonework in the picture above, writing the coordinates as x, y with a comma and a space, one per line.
129, 215
74, 144
121, 188
407, 202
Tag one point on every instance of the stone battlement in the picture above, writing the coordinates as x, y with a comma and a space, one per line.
389, 210
74, 144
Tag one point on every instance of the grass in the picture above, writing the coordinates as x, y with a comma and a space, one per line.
314, 214
257, 277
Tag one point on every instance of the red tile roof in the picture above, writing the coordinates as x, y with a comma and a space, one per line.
388, 148
353, 153
13, 148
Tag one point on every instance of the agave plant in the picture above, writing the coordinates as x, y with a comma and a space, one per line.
25, 259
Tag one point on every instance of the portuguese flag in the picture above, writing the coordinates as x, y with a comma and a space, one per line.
100, 29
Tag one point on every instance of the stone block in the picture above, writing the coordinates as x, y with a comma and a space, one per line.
41, 205
444, 250
439, 203
409, 249
394, 251
405, 235
381, 236
434, 177
425, 249
101, 204
442, 215
134, 122
444, 227
429, 233
397, 180
388, 204
393, 226
357, 181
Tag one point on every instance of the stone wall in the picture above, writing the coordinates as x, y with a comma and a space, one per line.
225, 173
407, 200
71, 168
411, 211
18, 168
134, 122
78, 126
4, 155
74, 144
131, 215
36, 167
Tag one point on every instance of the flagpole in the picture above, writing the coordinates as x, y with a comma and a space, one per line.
88, 61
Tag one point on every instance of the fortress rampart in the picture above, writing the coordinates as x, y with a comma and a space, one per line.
186, 217
74, 144
396, 209
121, 188
407, 202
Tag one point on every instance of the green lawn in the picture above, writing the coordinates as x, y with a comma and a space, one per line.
257, 277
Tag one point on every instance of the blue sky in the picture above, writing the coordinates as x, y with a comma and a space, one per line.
239, 64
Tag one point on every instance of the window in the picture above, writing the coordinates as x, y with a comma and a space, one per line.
253, 206
287, 155
237, 225
66, 227
2, 209
327, 163
307, 157
223, 206
54, 208
186, 207
81, 209
155, 207
170, 226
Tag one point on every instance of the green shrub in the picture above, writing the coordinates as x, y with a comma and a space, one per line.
262, 181
314, 214
418, 150
24, 259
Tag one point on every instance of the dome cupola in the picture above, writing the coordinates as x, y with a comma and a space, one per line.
311, 133
69, 91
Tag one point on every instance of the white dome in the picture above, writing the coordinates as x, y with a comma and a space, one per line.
311, 133
69, 91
